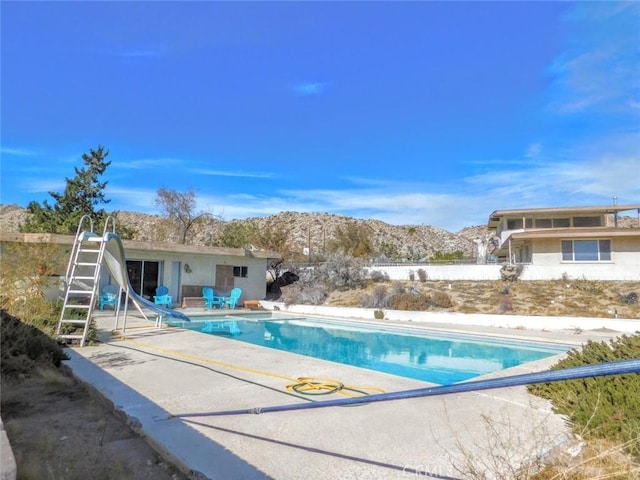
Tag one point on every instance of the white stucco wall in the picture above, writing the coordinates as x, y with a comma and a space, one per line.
590, 271
442, 272
477, 319
547, 263
203, 270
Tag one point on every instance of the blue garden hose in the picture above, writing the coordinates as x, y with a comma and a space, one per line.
573, 373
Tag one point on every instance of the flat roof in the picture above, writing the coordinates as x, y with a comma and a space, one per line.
14, 237
576, 233
496, 215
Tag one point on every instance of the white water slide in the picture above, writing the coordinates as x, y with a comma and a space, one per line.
90, 253
115, 261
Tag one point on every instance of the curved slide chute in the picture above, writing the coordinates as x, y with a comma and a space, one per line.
115, 261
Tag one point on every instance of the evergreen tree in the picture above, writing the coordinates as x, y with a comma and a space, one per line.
82, 195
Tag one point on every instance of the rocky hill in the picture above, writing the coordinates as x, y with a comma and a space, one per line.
308, 232
311, 233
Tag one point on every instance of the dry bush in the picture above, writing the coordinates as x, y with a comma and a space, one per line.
440, 300
409, 301
504, 305
24, 347
378, 276
378, 298
601, 459
502, 449
422, 275
303, 295
588, 286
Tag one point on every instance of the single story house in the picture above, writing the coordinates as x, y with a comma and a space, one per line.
580, 242
183, 269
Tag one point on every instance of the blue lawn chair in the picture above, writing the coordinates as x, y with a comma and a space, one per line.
109, 296
162, 297
210, 298
232, 300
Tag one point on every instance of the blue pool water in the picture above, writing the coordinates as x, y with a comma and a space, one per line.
428, 356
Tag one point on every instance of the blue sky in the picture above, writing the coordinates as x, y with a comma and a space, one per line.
421, 113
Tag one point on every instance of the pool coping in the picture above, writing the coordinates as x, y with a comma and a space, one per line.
151, 392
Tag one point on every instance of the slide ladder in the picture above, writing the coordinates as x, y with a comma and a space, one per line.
82, 283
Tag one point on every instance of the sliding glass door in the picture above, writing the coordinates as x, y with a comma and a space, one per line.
144, 276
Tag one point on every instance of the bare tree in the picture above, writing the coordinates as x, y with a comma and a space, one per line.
179, 209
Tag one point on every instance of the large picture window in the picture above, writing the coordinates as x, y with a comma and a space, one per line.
586, 250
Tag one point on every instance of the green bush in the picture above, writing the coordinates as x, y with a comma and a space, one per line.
378, 314
601, 407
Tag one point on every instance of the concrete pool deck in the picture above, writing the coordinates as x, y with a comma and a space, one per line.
165, 382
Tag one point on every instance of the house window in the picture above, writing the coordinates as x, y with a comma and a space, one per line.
560, 223
240, 272
543, 223
587, 221
516, 223
552, 222
586, 250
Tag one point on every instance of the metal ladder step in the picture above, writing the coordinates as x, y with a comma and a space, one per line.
80, 284
71, 337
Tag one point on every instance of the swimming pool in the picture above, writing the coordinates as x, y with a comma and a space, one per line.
434, 357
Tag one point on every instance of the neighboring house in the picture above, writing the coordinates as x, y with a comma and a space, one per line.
184, 269
573, 241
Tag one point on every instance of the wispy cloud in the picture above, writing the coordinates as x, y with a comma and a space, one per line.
132, 199
44, 186
533, 151
17, 151
146, 163
601, 69
230, 173
310, 88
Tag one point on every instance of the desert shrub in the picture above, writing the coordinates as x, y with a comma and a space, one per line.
397, 288
341, 272
409, 301
25, 347
604, 407
422, 275
378, 276
629, 299
510, 272
504, 304
588, 286
379, 298
378, 314
412, 276
38, 312
304, 295
440, 300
